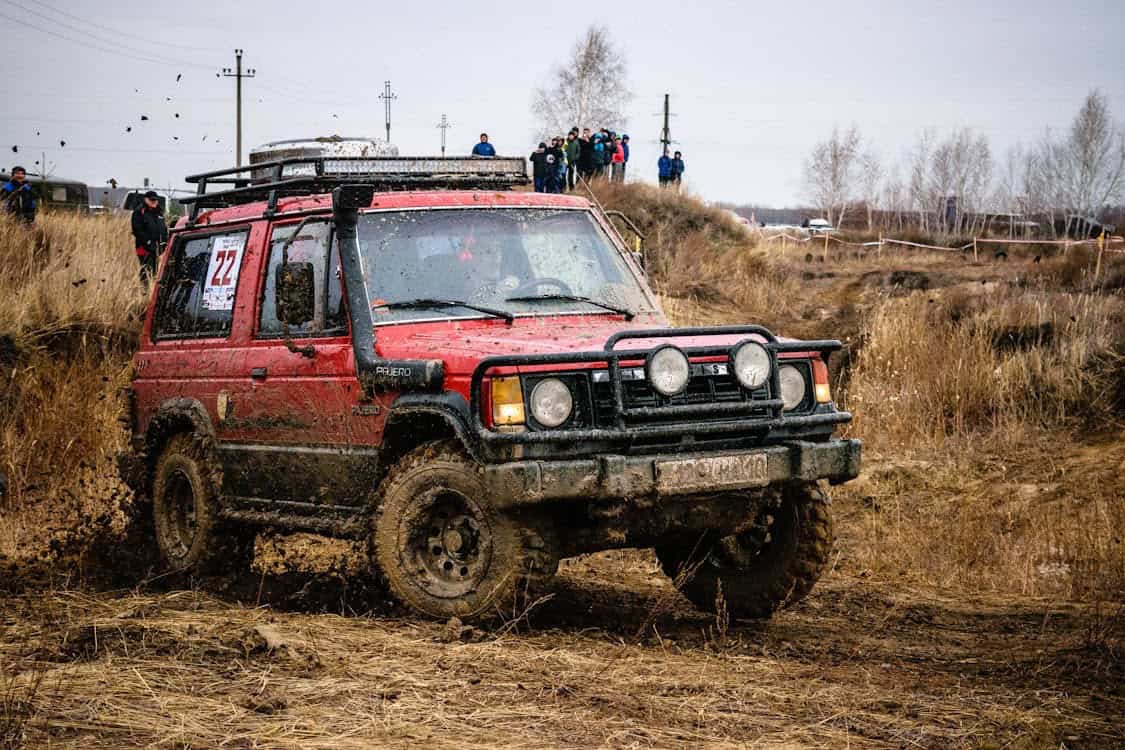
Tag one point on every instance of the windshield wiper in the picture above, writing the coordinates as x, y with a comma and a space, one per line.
422, 303
629, 315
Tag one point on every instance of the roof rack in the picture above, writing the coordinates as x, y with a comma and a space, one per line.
310, 175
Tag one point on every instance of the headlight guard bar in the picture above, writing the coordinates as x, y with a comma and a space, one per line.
726, 417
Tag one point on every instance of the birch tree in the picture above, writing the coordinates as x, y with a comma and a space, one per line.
832, 172
589, 89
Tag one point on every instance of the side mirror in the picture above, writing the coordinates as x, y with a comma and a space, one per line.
295, 293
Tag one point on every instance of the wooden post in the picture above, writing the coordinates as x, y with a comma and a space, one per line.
976, 257
1101, 251
826, 247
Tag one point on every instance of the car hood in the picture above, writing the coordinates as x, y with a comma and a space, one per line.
462, 344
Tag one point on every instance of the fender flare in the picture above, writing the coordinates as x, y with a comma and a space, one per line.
448, 406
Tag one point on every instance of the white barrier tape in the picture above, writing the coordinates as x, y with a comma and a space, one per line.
1111, 240
925, 247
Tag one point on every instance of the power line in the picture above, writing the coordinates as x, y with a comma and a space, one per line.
119, 32
102, 40
95, 149
64, 37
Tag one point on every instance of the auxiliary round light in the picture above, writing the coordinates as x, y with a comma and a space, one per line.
751, 365
668, 370
551, 402
793, 386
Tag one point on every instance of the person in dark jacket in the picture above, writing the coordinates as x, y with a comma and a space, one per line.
573, 150
586, 155
556, 160
17, 196
664, 169
149, 233
540, 169
677, 168
484, 148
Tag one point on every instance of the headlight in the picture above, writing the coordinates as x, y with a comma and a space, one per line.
551, 402
668, 370
793, 387
751, 363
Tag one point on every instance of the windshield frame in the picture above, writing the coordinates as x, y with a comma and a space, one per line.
603, 226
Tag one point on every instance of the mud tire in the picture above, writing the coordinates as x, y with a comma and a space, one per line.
190, 535
496, 563
782, 572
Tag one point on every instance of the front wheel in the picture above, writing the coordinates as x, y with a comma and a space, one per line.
770, 563
185, 510
444, 550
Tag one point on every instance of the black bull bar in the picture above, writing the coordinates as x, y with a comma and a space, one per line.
724, 416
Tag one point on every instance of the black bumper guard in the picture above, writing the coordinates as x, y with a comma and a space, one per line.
724, 414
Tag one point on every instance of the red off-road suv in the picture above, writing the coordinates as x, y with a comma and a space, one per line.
478, 381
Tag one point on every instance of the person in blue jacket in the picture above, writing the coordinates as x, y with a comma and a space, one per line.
484, 148
677, 168
664, 169
17, 196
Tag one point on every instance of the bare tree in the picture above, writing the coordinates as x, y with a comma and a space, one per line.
1093, 158
588, 90
950, 181
870, 183
831, 174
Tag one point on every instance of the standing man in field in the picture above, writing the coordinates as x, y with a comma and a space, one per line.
677, 169
484, 148
18, 199
664, 169
573, 151
149, 232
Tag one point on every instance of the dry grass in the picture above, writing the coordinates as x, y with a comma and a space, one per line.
876, 671
71, 306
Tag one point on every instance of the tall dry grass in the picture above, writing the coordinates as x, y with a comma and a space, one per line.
71, 306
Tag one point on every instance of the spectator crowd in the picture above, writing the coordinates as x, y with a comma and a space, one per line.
557, 166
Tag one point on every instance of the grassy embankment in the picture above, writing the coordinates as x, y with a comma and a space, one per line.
988, 394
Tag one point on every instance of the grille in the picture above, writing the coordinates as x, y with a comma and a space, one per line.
710, 384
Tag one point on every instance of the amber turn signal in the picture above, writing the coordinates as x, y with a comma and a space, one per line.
820, 382
507, 401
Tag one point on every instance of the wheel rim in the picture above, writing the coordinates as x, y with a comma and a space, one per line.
447, 547
179, 513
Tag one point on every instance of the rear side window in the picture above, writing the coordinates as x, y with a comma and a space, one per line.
196, 298
314, 245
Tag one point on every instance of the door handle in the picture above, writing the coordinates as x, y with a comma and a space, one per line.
258, 373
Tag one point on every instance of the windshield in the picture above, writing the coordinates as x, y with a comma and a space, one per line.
524, 261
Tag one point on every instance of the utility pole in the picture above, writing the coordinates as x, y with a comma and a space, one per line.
666, 133
238, 74
444, 125
387, 98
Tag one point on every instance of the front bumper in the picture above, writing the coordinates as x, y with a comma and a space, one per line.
609, 477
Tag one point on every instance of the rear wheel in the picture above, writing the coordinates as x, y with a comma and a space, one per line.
770, 563
185, 508
444, 551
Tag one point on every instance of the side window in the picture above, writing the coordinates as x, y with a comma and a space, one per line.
314, 245
196, 298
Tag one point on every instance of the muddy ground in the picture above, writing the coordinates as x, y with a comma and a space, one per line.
614, 658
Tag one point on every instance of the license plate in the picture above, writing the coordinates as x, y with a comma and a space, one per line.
684, 475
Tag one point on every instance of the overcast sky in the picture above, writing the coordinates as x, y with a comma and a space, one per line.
754, 84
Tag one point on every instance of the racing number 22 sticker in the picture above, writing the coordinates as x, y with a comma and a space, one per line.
222, 272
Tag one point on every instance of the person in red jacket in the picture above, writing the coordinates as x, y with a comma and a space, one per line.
617, 161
